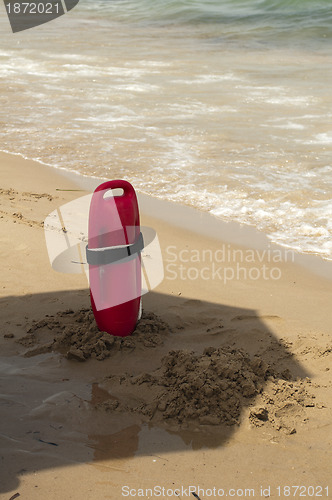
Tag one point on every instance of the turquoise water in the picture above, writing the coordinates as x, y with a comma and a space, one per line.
265, 21
225, 106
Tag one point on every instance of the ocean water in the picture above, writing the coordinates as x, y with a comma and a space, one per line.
222, 105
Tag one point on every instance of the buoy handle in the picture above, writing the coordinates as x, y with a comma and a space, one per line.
117, 184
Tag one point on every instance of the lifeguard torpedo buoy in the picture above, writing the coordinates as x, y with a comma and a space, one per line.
113, 255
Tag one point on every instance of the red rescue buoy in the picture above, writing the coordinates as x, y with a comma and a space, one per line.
113, 255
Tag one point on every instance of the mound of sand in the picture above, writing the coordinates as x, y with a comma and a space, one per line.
188, 389
76, 336
212, 389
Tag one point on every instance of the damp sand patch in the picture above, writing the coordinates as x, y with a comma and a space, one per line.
190, 390
75, 335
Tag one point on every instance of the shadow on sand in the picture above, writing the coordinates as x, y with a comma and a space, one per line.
48, 415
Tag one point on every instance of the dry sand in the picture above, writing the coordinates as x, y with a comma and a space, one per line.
221, 385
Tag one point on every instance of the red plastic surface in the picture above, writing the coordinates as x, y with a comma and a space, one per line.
115, 221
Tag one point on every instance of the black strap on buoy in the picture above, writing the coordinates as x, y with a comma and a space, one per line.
108, 255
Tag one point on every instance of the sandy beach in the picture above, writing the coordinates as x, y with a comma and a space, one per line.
224, 386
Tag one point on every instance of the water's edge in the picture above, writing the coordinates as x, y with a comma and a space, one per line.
206, 224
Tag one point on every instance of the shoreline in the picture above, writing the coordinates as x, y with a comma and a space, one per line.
81, 425
202, 223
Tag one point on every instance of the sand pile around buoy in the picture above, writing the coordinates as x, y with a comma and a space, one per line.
76, 335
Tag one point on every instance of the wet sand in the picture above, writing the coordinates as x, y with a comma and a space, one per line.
225, 383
